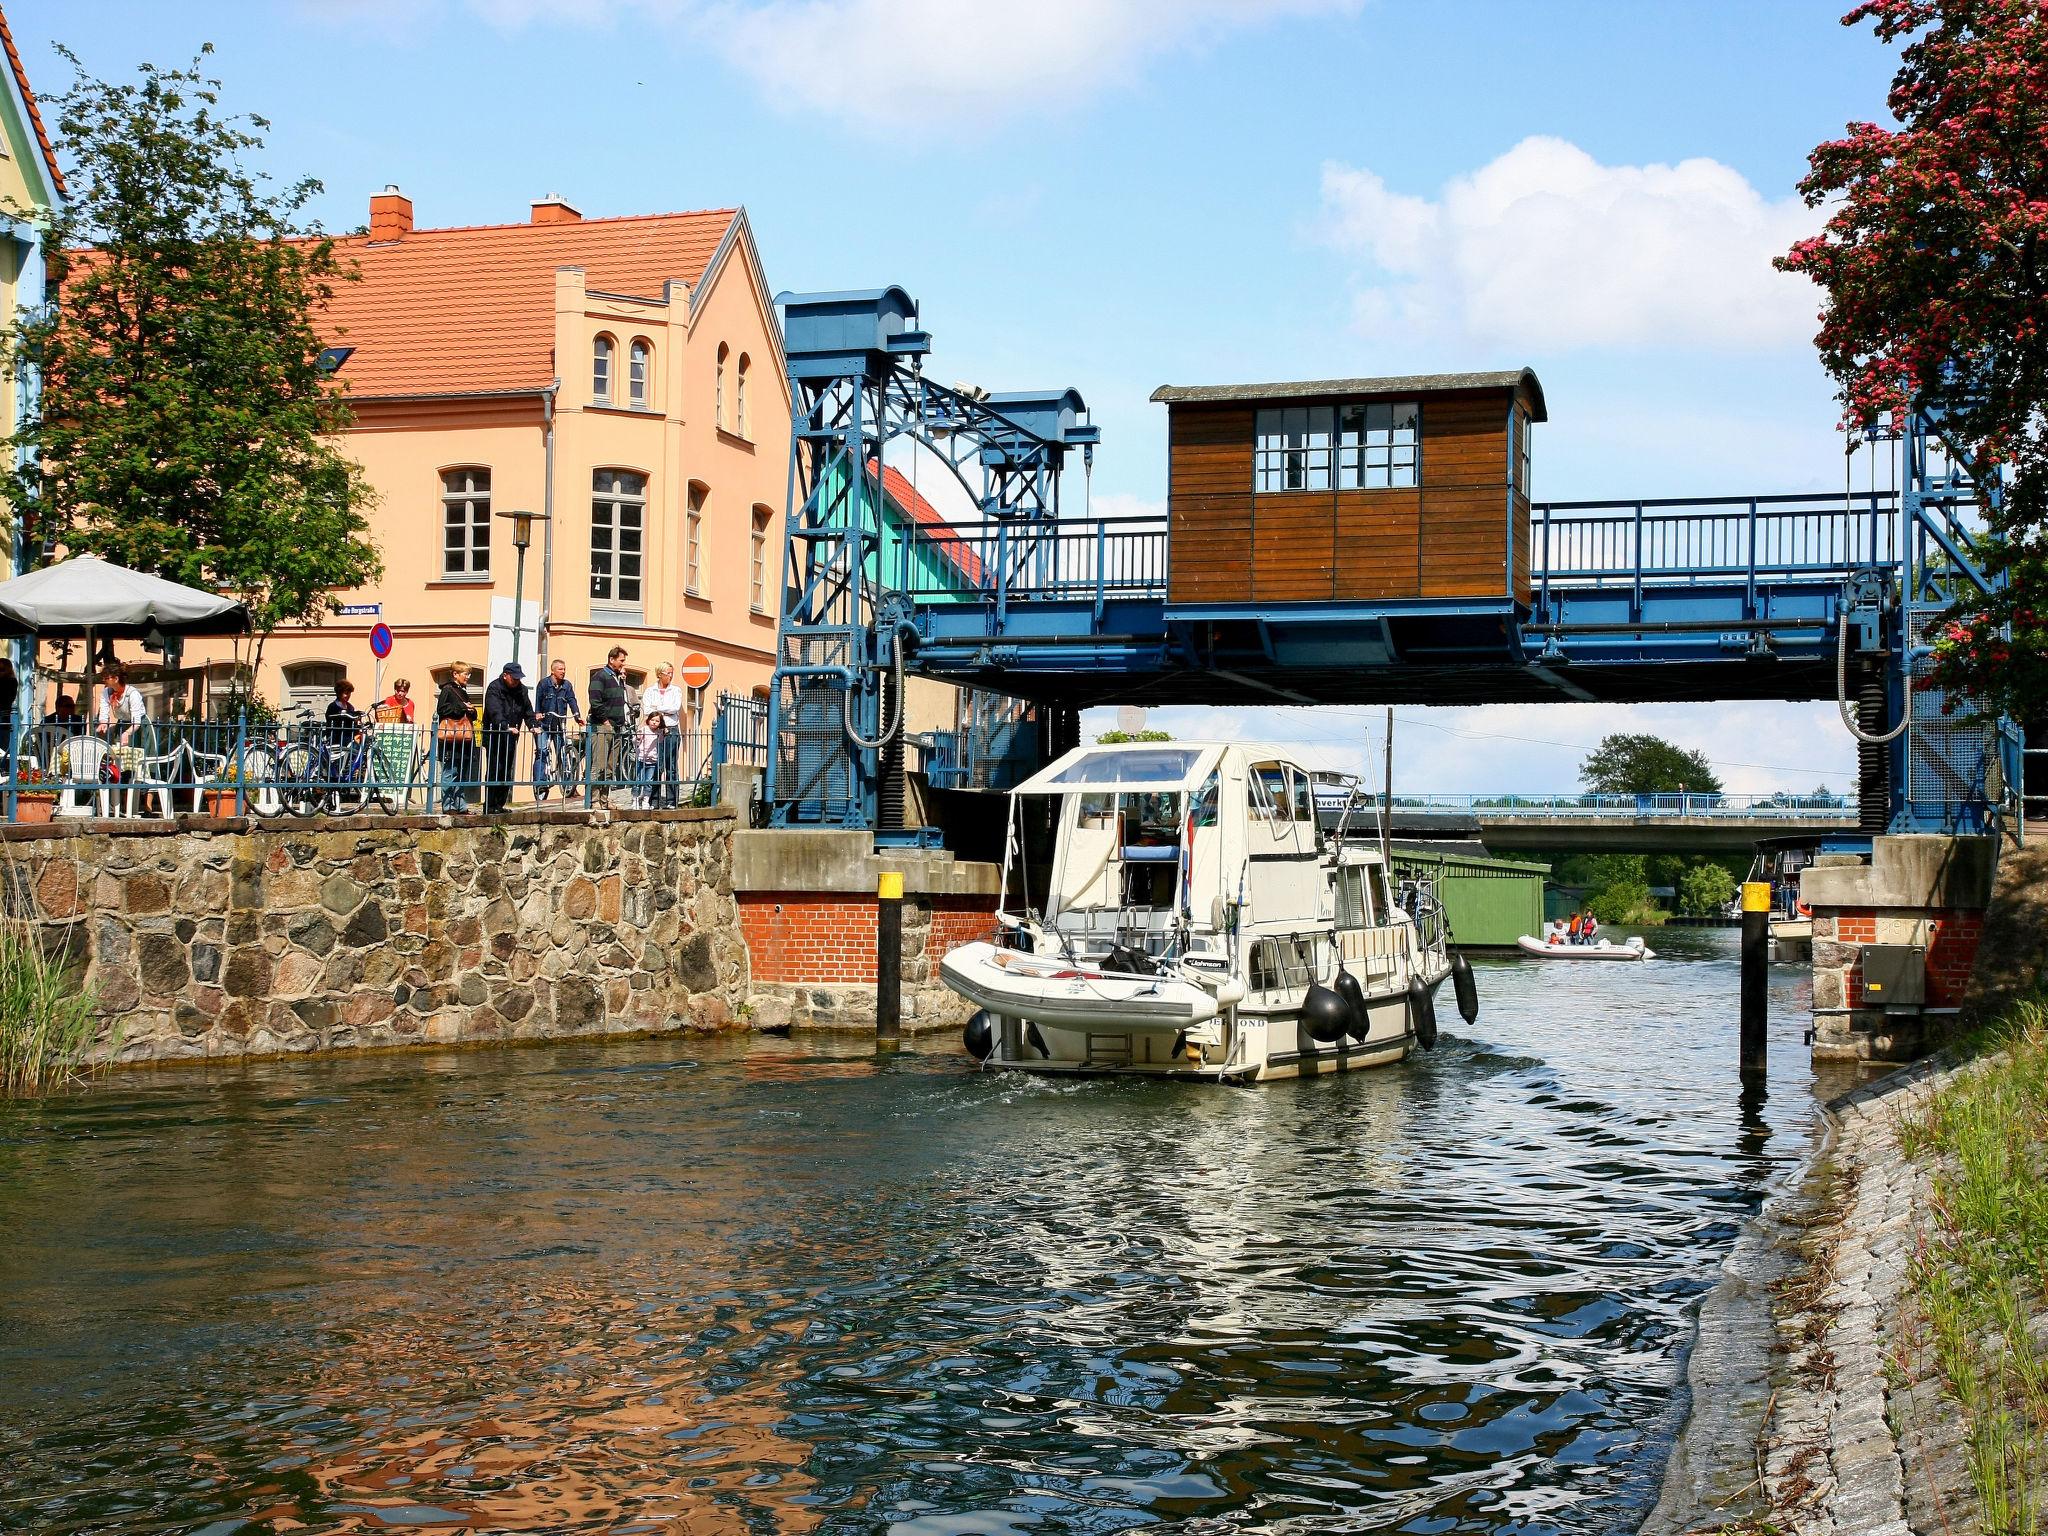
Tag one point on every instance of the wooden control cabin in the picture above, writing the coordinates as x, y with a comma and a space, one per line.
1350, 489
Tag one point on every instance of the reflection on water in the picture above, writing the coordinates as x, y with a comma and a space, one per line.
677, 1287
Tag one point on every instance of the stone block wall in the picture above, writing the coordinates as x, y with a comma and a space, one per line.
231, 938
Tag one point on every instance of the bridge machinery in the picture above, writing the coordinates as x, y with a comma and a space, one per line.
1759, 597
860, 566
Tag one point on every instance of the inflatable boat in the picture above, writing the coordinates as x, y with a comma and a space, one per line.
1605, 949
1074, 996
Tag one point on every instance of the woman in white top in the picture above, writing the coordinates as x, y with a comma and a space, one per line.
119, 716
665, 699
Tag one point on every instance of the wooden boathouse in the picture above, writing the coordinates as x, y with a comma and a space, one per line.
1339, 490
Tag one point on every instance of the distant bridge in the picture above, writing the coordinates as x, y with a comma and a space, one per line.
1661, 823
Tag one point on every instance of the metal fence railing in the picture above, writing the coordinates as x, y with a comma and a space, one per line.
308, 768
1828, 808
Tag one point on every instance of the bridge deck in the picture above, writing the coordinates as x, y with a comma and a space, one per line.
1740, 594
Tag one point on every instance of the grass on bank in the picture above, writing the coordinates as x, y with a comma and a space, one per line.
1982, 1281
47, 1018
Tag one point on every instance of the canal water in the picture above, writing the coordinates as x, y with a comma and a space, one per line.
679, 1286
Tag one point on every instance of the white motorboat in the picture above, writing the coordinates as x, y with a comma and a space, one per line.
1192, 919
1632, 948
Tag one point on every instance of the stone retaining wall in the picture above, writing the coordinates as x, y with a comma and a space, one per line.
229, 938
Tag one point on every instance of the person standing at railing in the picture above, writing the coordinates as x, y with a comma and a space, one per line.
648, 742
554, 705
507, 709
664, 703
609, 742
455, 734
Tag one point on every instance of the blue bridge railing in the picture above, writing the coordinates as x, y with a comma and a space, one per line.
1571, 543
1818, 808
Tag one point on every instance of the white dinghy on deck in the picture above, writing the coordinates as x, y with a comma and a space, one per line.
1195, 920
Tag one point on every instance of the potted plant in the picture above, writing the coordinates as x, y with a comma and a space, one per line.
218, 792
35, 794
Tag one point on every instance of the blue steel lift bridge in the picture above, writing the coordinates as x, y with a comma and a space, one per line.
1751, 597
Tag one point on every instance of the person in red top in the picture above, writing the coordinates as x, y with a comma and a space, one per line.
401, 699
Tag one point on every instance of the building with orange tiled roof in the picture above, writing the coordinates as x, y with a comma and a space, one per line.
622, 378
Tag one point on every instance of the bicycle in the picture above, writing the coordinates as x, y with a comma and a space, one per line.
565, 754
316, 774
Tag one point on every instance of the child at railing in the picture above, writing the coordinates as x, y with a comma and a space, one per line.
648, 743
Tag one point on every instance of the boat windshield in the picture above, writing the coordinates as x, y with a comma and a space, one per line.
1163, 767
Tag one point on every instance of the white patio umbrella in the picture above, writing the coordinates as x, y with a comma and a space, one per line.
90, 597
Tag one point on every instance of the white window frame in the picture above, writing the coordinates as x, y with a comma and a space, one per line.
639, 374
739, 395
466, 497
718, 388
1379, 445
1524, 431
618, 518
602, 352
764, 522
693, 538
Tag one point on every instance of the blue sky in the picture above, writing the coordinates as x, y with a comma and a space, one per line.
1113, 194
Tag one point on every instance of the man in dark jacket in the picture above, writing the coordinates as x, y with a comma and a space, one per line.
554, 705
507, 707
608, 721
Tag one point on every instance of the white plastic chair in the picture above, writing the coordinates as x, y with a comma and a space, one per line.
158, 774
79, 761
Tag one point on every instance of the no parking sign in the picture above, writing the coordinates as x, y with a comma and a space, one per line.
380, 640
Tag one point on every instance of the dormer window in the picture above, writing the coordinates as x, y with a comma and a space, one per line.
637, 359
601, 371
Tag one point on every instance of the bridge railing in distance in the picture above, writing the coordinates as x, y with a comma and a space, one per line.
1714, 538
1672, 806
1097, 557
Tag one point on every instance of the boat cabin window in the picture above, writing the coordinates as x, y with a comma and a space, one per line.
1304, 796
1269, 793
1164, 766
1354, 898
1206, 807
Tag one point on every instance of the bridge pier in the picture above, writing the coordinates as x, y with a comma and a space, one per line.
1894, 939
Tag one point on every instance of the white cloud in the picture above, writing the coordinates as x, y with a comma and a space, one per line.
885, 63
1546, 248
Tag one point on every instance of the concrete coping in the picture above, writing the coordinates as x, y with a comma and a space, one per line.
1913, 871
804, 859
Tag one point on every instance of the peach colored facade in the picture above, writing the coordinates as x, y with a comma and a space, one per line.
701, 432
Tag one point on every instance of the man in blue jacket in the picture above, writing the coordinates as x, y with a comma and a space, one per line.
554, 705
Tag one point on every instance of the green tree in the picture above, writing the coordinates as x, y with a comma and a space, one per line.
1124, 738
1626, 764
1933, 266
183, 424
1705, 889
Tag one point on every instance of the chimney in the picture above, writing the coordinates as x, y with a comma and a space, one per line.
555, 209
390, 214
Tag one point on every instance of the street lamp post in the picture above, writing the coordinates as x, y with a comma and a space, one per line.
522, 539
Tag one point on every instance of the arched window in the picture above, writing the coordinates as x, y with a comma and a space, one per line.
308, 685
637, 382
718, 388
757, 585
740, 398
466, 523
601, 371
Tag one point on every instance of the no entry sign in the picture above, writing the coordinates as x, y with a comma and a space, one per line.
695, 670
380, 640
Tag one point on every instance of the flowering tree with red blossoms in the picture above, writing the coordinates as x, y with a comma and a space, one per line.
1934, 264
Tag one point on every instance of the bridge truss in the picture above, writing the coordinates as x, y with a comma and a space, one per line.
1759, 597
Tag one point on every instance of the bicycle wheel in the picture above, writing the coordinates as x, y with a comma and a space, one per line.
299, 772
259, 764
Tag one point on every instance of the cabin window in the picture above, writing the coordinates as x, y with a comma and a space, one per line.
1204, 811
1377, 446
1353, 908
1293, 448
1524, 430
1269, 793
1303, 795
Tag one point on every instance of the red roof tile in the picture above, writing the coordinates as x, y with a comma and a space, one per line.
472, 310
35, 115
897, 487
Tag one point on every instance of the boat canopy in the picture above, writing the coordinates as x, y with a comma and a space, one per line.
1152, 766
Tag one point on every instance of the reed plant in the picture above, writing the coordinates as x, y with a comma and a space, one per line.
1981, 1280
48, 1018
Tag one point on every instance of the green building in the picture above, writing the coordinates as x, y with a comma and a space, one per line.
1490, 902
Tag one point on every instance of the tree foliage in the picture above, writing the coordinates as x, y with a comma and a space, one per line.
1705, 889
1934, 267
182, 425
1633, 764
